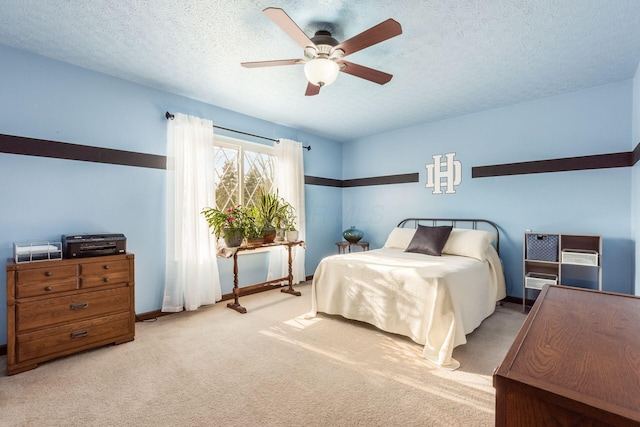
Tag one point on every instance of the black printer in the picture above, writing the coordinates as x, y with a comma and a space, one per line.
88, 245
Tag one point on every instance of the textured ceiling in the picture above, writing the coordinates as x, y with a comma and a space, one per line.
454, 56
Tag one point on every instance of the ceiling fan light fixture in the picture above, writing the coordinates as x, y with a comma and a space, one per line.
323, 54
321, 71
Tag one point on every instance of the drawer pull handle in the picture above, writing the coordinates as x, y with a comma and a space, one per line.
48, 288
79, 334
48, 273
106, 267
106, 279
79, 305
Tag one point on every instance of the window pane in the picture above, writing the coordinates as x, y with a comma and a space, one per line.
227, 177
241, 173
258, 175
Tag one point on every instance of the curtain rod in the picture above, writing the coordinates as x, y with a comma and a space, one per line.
170, 116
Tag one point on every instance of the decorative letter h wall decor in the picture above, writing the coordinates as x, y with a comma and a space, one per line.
447, 174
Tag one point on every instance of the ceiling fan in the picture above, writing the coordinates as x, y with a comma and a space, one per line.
323, 54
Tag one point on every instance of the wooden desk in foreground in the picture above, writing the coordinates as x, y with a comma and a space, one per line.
575, 362
237, 291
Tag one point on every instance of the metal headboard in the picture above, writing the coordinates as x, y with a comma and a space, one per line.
470, 223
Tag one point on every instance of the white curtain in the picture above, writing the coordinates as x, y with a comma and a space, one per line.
191, 274
289, 181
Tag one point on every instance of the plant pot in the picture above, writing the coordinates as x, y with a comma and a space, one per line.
292, 235
254, 241
268, 234
232, 239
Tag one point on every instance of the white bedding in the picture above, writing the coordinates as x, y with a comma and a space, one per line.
434, 300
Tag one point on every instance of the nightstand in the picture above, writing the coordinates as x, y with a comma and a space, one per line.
343, 246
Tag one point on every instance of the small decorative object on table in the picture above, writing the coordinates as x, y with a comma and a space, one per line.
352, 235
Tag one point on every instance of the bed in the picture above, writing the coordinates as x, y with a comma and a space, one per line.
410, 288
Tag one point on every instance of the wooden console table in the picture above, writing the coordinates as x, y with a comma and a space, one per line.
237, 292
575, 362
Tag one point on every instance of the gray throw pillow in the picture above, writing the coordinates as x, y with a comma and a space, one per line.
429, 240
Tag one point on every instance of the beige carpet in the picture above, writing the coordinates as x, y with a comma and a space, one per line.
269, 367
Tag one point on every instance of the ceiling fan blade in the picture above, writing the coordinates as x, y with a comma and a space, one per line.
365, 72
281, 19
379, 33
312, 90
275, 63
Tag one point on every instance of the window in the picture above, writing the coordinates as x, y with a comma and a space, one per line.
242, 170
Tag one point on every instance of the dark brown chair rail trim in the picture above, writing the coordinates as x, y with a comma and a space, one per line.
11, 144
635, 155
598, 161
360, 182
327, 182
382, 180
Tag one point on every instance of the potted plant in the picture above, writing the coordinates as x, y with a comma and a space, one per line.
271, 208
288, 222
233, 225
254, 230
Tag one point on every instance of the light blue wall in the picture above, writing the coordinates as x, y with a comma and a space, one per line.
635, 140
42, 198
593, 121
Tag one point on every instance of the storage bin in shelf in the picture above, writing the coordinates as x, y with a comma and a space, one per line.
542, 247
538, 280
580, 257
40, 250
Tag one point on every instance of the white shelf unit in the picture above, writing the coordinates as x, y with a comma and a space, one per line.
577, 262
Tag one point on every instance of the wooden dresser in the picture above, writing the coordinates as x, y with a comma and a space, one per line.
56, 308
575, 362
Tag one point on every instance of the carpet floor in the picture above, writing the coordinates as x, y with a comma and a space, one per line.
269, 367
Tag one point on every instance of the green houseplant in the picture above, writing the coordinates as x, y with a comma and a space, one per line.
288, 222
233, 225
271, 208
254, 230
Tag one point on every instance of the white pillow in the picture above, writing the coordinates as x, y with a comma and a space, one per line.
469, 243
399, 238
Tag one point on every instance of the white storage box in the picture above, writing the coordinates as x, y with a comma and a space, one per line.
37, 251
580, 257
538, 280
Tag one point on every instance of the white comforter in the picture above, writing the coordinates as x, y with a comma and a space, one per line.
435, 301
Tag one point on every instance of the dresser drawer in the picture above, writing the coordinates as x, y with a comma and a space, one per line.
34, 289
97, 268
104, 279
46, 274
71, 336
48, 312
102, 273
